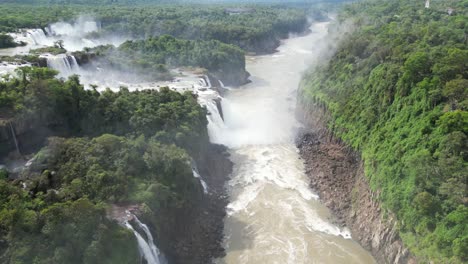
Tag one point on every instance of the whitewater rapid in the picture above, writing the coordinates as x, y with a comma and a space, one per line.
273, 216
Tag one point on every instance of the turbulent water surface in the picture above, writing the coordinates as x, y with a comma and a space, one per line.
273, 216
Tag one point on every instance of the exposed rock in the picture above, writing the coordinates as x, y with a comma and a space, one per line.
195, 235
336, 173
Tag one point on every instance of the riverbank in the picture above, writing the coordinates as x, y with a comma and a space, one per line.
336, 174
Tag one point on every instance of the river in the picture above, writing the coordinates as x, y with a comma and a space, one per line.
273, 215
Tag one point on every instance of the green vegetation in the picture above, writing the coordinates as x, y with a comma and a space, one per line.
6, 41
397, 92
38, 98
116, 148
258, 30
154, 55
120, 147
51, 50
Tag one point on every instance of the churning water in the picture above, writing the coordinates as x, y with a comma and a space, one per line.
273, 216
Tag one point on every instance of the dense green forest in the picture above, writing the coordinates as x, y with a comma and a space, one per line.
115, 148
255, 28
397, 91
153, 56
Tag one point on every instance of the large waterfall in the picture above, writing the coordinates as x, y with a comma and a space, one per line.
65, 64
147, 247
216, 124
39, 37
211, 99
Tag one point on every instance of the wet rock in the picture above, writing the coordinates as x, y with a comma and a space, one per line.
195, 235
336, 173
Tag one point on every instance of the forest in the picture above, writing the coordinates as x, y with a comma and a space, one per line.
96, 150
397, 91
258, 28
110, 148
155, 55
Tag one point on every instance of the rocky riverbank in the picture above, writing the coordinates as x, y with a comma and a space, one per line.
336, 173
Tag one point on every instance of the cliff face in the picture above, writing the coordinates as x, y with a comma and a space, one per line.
336, 173
235, 77
195, 235
30, 135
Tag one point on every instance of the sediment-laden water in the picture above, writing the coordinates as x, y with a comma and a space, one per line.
273, 215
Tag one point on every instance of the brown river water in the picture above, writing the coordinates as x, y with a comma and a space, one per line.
273, 215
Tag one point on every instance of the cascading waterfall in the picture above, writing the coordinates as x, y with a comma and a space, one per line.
147, 248
216, 124
75, 36
209, 99
197, 175
39, 37
14, 138
65, 64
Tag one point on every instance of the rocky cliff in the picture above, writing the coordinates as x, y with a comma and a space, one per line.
195, 235
336, 173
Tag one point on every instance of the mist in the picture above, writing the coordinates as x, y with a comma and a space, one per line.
271, 120
83, 32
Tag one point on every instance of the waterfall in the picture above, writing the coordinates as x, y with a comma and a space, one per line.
203, 82
197, 175
79, 28
65, 64
208, 81
39, 38
48, 31
221, 83
14, 138
216, 124
147, 248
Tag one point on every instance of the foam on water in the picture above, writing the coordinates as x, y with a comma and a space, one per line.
273, 216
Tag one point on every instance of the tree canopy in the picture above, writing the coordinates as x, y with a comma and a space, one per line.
115, 148
397, 92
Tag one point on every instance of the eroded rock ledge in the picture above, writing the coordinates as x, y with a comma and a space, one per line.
336, 173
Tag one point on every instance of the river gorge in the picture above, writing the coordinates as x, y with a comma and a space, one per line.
273, 215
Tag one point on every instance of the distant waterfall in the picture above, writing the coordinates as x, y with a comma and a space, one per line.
208, 81
65, 64
14, 138
79, 28
197, 175
147, 248
39, 37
